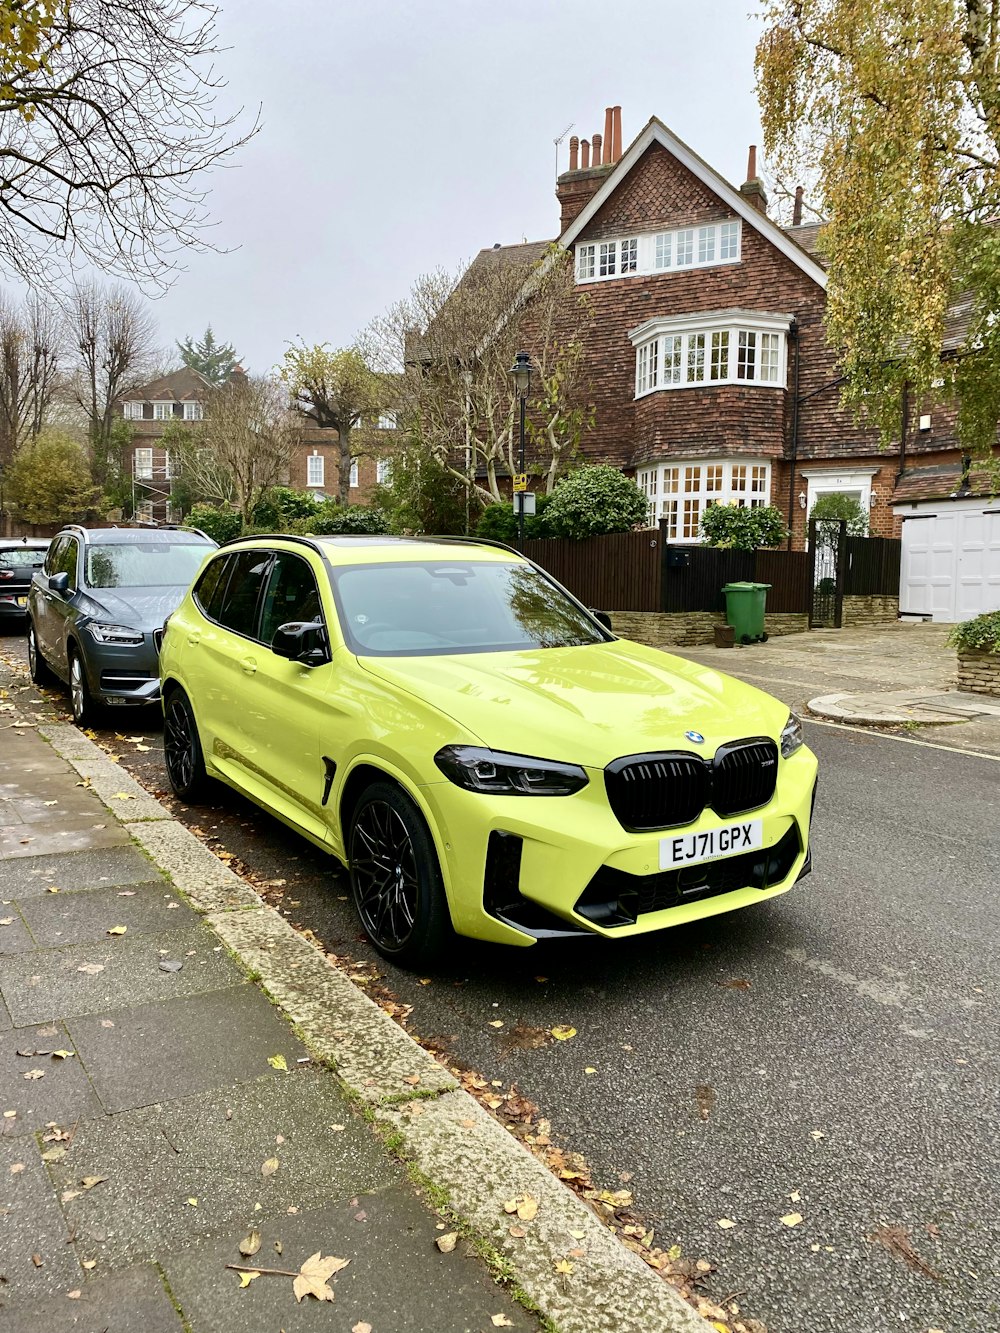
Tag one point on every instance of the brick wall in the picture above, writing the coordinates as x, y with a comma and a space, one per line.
979, 672
688, 629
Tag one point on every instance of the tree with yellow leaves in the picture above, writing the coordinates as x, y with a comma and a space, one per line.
891, 108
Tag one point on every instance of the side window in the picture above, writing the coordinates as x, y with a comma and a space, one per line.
52, 555
291, 595
210, 587
247, 574
67, 561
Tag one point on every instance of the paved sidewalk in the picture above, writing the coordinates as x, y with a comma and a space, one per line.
898, 676
159, 1107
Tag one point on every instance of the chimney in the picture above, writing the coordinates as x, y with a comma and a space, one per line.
590, 161
609, 134
616, 134
585, 159
797, 209
597, 141
753, 187
574, 153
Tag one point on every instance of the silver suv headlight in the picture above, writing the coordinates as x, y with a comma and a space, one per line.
500, 774
114, 633
792, 738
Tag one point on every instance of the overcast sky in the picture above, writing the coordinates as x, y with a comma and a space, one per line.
399, 137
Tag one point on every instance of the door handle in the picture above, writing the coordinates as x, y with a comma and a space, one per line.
248, 665
194, 639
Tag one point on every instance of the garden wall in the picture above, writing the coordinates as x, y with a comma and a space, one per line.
872, 609
688, 629
979, 672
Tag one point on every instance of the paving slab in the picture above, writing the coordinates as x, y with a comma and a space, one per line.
173, 1048
14, 936
57, 919
134, 1299
76, 870
50, 984
394, 1238
211, 1148
5, 1019
64, 1093
32, 1224
70, 835
208, 884
119, 790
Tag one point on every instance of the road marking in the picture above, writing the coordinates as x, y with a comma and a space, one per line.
904, 740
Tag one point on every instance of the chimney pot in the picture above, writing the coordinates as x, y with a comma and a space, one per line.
584, 154
752, 163
609, 133
597, 141
574, 153
616, 133
797, 209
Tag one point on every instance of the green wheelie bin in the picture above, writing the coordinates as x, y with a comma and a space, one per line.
745, 610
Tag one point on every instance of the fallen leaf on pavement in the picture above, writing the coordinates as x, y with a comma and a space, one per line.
122, 796
247, 1278
34, 1073
313, 1276
447, 1242
270, 1166
361, 1327
278, 1062
898, 1243
91, 969
88, 1182
62, 1055
517, 1232
250, 1244
563, 1266
36, 1259
54, 1154
562, 1032
794, 1197
69, 1194
192, 1202
117, 930
75, 1294
725, 1223
792, 1219
501, 1321
17, 1167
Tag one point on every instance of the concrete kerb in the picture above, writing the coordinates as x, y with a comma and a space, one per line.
447, 1137
119, 790
865, 711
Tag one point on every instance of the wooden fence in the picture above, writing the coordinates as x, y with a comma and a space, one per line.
641, 571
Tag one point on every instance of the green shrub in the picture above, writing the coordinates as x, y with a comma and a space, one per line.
740, 528
979, 635
219, 522
839, 505
594, 501
499, 522
281, 507
330, 519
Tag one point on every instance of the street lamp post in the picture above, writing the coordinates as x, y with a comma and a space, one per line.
521, 372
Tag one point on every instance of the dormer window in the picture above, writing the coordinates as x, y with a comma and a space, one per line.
163, 411
659, 252
133, 411
192, 411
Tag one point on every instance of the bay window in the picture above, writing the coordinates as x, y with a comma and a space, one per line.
728, 346
680, 492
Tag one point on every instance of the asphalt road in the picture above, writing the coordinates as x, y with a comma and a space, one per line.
833, 1053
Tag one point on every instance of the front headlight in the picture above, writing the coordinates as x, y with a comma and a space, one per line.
792, 738
114, 633
500, 774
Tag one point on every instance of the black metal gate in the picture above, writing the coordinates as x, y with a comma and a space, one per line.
828, 544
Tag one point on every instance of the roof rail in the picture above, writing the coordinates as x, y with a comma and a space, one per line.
273, 536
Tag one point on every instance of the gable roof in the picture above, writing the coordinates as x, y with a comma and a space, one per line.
179, 386
656, 132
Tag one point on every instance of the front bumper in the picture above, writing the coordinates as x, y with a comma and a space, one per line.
517, 869
122, 675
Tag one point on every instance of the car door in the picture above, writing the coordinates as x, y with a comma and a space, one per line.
57, 608
285, 716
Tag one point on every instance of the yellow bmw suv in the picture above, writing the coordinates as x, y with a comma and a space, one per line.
477, 747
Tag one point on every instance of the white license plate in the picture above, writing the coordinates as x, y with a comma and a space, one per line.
688, 849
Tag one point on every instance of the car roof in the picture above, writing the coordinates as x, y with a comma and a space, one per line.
24, 543
137, 536
379, 550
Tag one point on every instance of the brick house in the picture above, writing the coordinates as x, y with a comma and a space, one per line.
179, 397
710, 375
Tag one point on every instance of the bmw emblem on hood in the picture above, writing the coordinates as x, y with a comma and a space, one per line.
695, 736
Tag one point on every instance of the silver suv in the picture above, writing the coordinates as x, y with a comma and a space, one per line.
96, 610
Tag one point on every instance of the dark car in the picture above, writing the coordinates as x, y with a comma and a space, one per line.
19, 558
96, 610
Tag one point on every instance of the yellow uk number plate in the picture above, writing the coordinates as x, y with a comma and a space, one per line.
692, 848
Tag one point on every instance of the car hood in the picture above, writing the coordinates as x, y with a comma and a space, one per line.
139, 608
586, 705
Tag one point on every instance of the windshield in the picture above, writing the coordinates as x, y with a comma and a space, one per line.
425, 608
22, 557
144, 564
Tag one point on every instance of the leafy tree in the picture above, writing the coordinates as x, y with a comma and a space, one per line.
499, 521
49, 481
282, 507
31, 346
109, 124
336, 388
220, 522
422, 496
893, 111
836, 505
594, 501
331, 518
741, 528
215, 361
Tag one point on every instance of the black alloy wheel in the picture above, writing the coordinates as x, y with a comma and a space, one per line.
38, 668
396, 879
182, 752
85, 711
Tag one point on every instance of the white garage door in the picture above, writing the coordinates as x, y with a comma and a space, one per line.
950, 563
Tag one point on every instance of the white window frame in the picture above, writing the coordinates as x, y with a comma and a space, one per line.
144, 510
163, 411
142, 465
388, 420
315, 469
708, 245
824, 481
171, 465
193, 411
354, 473
383, 471
679, 490
132, 411
694, 350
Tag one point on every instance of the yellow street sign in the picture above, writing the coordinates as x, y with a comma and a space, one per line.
520, 481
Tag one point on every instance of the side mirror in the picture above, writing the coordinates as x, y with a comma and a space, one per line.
301, 641
602, 618
59, 583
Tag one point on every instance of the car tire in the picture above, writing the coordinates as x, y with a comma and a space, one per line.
182, 753
39, 670
85, 710
396, 879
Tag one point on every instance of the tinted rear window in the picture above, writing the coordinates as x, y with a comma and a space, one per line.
238, 610
210, 587
21, 557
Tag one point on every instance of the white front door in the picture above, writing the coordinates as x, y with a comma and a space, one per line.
950, 561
